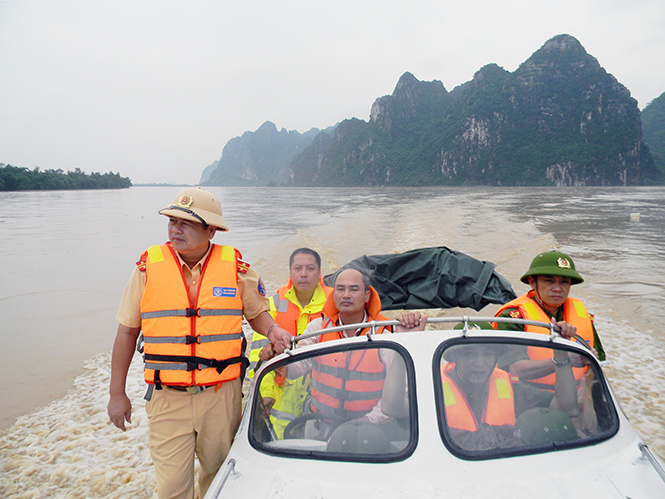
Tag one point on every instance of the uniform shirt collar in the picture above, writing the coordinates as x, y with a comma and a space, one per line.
318, 298
199, 263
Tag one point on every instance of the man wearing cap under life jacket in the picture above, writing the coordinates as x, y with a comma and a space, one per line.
293, 306
550, 276
482, 402
353, 301
188, 297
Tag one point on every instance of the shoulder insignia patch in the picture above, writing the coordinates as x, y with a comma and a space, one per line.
142, 262
261, 287
515, 314
242, 266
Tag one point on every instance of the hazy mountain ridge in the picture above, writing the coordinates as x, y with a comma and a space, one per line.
559, 119
207, 171
653, 129
258, 158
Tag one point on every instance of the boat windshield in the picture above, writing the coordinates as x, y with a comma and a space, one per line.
497, 399
353, 402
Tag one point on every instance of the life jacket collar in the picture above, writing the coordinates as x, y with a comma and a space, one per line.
373, 306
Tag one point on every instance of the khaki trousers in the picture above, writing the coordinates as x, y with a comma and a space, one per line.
182, 425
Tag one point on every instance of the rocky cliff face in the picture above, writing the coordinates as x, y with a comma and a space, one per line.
653, 127
380, 151
559, 119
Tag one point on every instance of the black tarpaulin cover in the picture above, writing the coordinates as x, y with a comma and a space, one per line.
432, 278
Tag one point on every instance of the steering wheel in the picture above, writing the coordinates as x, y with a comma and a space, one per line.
332, 420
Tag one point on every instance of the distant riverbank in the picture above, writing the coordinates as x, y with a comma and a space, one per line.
19, 178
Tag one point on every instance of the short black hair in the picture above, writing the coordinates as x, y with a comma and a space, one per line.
305, 251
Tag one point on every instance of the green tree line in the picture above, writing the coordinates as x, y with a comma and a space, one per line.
15, 178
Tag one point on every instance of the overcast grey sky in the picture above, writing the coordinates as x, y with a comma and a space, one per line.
154, 89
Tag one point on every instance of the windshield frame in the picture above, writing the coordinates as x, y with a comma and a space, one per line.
345, 345
500, 453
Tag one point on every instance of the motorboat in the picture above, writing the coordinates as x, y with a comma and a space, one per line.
403, 415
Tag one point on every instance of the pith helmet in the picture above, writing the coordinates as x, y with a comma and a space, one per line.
553, 263
197, 205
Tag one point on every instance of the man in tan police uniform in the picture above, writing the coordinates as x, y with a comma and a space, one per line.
187, 297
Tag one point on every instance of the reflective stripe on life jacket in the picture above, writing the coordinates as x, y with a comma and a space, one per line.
348, 384
574, 313
186, 344
499, 406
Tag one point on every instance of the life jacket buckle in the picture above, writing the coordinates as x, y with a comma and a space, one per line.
192, 312
189, 339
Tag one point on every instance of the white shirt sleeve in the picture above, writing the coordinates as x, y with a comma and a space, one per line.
298, 369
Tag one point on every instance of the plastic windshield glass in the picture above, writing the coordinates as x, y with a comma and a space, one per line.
350, 403
501, 399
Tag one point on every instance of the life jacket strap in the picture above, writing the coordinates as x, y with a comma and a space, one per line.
191, 312
326, 409
148, 393
348, 374
190, 339
245, 360
187, 363
345, 395
158, 381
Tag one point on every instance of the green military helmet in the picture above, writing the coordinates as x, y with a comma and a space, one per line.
542, 425
553, 263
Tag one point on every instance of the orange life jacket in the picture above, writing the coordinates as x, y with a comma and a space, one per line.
499, 407
574, 313
348, 384
199, 344
288, 315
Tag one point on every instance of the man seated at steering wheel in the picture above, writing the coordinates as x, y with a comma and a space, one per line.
334, 391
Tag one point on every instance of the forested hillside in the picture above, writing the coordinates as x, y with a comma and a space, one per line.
559, 119
15, 178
